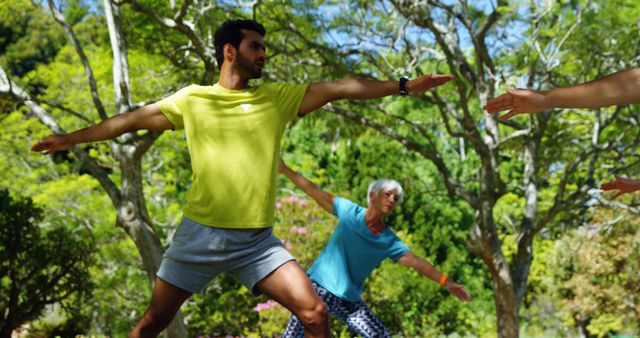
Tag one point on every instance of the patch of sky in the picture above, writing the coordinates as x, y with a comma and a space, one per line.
593, 196
94, 6
556, 166
509, 36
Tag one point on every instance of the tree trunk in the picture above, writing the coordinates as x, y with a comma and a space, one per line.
484, 242
132, 211
134, 218
506, 303
506, 307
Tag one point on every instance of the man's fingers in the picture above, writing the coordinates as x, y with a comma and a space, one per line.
500, 107
443, 81
37, 147
499, 103
50, 144
508, 115
426, 82
445, 77
439, 79
498, 100
442, 78
514, 91
44, 148
608, 186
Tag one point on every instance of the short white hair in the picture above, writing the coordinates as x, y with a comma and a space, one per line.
384, 185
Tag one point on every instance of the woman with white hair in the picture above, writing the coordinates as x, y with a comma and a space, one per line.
360, 242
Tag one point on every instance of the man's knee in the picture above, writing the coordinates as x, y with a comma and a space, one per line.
315, 316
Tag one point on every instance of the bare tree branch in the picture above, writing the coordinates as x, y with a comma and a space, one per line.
121, 82
83, 58
67, 110
616, 204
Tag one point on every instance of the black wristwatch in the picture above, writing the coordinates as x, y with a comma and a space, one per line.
403, 86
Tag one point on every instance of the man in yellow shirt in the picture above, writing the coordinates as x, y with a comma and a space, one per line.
233, 133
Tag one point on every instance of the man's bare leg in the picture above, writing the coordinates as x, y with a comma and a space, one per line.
290, 286
166, 299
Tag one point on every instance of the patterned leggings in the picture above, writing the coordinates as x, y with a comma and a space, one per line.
357, 315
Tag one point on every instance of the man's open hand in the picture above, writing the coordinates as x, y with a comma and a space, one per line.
517, 101
426, 82
51, 144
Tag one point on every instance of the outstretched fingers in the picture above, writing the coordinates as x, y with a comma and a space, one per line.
40, 146
500, 103
458, 291
426, 82
45, 147
440, 79
50, 144
622, 184
609, 185
508, 115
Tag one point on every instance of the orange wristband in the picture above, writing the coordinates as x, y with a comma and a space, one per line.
443, 279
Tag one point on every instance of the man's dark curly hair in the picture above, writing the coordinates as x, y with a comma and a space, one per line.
231, 33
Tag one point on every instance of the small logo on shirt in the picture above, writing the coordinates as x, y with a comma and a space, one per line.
246, 106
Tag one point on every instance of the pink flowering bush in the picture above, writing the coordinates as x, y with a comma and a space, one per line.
265, 306
286, 244
293, 199
303, 227
299, 230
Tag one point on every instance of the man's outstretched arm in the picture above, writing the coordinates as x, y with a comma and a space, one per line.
429, 271
148, 117
323, 198
321, 93
618, 88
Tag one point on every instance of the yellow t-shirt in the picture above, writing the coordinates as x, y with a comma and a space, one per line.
234, 142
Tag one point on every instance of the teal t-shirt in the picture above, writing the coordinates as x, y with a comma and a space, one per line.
353, 252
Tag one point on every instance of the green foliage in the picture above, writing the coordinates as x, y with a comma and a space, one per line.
28, 36
604, 285
38, 267
587, 280
71, 199
74, 11
339, 39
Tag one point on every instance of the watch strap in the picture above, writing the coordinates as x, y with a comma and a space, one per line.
403, 86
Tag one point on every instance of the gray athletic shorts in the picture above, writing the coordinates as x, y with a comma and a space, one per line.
198, 253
